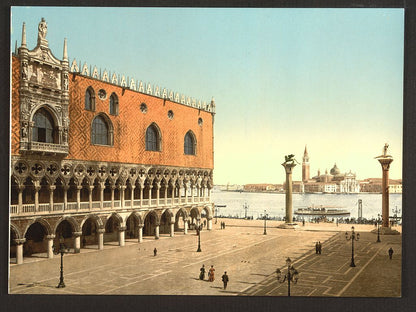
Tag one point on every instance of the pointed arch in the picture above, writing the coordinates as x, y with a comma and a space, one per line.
190, 143
90, 99
102, 130
153, 138
113, 104
44, 126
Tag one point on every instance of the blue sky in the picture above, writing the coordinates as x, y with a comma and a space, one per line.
331, 79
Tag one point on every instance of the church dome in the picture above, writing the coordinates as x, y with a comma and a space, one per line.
335, 171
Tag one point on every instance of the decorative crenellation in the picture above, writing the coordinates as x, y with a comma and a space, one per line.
139, 86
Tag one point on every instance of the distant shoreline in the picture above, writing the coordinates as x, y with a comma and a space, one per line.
316, 193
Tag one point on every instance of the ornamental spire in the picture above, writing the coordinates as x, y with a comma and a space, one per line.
65, 50
24, 35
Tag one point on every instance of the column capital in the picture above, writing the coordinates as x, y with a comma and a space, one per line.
52, 187
20, 241
76, 234
79, 187
50, 236
101, 231
140, 226
122, 228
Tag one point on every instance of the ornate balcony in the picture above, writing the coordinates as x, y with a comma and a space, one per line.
44, 148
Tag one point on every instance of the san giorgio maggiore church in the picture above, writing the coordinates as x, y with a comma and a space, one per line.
332, 182
98, 158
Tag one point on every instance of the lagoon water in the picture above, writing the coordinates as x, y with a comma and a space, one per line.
274, 203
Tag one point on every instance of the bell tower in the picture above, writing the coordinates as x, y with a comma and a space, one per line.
305, 166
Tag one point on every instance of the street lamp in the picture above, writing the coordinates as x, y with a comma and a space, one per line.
198, 230
396, 211
353, 236
292, 275
265, 218
378, 229
61, 250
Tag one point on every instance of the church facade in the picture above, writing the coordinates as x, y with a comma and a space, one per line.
98, 158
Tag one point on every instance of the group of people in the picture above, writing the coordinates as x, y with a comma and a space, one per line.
211, 275
318, 248
222, 225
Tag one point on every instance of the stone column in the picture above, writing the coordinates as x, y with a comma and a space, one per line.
172, 229
91, 187
209, 226
157, 231
65, 187
385, 161
132, 187
289, 165
157, 193
100, 233
20, 199
173, 194
50, 245
192, 192
51, 189
77, 241
185, 226
150, 194
121, 236
37, 189
102, 187
122, 189
140, 233
79, 188
112, 195
141, 195
185, 187
166, 194
19, 249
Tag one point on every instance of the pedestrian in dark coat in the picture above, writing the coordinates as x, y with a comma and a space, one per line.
316, 248
319, 247
225, 279
155, 252
391, 253
202, 273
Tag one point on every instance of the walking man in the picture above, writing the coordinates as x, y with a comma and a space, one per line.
225, 279
155, 252
319, 247
202, 273
391, 253
316, 248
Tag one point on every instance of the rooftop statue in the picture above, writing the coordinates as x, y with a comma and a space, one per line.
42, 29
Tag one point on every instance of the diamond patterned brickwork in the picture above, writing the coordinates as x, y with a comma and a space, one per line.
15, 139
130, 127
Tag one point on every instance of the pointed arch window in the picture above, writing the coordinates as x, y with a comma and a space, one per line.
190, 143
113, 104
102, 132
152, 138
90, 99
44, 128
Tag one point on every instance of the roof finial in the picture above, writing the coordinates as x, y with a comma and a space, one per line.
65, 50
24, 35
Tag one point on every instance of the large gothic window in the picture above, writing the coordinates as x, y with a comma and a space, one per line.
189, 144
43, 129
100, 131
113, 104
89, 99
152, 138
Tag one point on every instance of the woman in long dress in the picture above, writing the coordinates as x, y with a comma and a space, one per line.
211, 273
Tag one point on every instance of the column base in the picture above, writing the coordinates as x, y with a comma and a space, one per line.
288, 226
386, 231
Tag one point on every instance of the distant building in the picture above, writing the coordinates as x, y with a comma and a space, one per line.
374, 185
334, 182
263, 187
